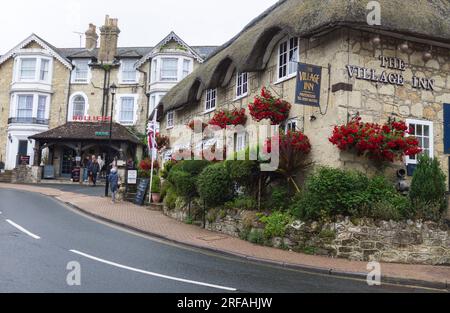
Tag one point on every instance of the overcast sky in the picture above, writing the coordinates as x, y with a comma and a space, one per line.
142, 22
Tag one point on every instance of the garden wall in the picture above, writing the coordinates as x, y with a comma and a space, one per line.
358, 240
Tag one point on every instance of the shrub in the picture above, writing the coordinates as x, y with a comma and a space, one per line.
242, 203
192, 167
156, 184
243, 173
428, 189
183, 183
330, 192
164, 173
170, 200
214, 185
275, 224
280, 199
256, 236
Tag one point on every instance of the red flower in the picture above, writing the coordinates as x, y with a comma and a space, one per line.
224, 118
388, 142
267, 106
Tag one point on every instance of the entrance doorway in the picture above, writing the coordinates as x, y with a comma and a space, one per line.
68, 162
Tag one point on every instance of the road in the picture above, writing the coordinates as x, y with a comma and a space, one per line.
39, 237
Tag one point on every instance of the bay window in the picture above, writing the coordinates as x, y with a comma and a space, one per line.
211, 97
169, 69
186, 68
25, 108
29, 108
41, 108
43, 76
28, 69
288, 57
241, 85
424, 132
33, 69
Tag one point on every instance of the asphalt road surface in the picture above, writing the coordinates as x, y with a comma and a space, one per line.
40, 238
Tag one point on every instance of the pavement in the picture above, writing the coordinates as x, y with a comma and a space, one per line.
156, 224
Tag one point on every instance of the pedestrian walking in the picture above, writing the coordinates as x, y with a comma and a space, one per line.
113, 183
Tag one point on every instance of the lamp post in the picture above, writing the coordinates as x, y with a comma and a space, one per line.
113, 90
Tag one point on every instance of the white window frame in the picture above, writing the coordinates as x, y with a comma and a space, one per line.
289, 49
154, 71
170, 119
289, 125
118, 109
39, 97
169, 79
86, 105
210, 100
241, 85
13, 112
37, 70
241, 138
122, 70
74, 79
155, 98
430, 124
185, 72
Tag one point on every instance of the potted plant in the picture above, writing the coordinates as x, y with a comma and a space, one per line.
156, 189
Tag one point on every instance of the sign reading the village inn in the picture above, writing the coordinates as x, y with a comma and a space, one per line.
309, 78
387, 77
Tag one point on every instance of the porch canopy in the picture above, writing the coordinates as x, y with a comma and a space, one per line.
82, 136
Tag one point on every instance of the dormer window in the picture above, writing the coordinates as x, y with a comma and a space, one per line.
170, 69
81, 72
288, 57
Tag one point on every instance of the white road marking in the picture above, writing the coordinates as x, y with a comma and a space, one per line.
151, 273
23, 230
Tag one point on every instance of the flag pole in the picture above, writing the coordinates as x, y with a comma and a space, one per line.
152, 125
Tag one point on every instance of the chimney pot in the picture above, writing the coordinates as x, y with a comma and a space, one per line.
91, 37
109, 35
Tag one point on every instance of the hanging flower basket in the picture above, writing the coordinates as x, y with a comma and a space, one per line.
162, 141
266, 106
193, 123
388, 142
224, 118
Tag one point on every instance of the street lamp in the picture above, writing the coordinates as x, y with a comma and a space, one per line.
113, 90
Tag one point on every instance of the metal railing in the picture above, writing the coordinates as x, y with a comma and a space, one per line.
28, 120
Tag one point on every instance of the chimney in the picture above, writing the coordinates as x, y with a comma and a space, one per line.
91, 37
109, 35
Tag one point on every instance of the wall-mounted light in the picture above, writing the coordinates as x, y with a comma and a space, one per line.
404, 47
376, 41
313, 118
427, 55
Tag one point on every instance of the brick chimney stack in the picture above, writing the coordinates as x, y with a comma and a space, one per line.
91, 37
109, 35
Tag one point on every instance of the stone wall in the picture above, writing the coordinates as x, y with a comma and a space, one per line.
27, 175
358, 240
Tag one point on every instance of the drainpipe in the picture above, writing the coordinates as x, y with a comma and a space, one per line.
68, 95
146, 75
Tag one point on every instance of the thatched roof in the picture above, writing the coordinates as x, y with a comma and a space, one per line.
426, 19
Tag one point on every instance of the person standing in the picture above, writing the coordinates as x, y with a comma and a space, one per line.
101, 163
86, 162
93, 170
113, 183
